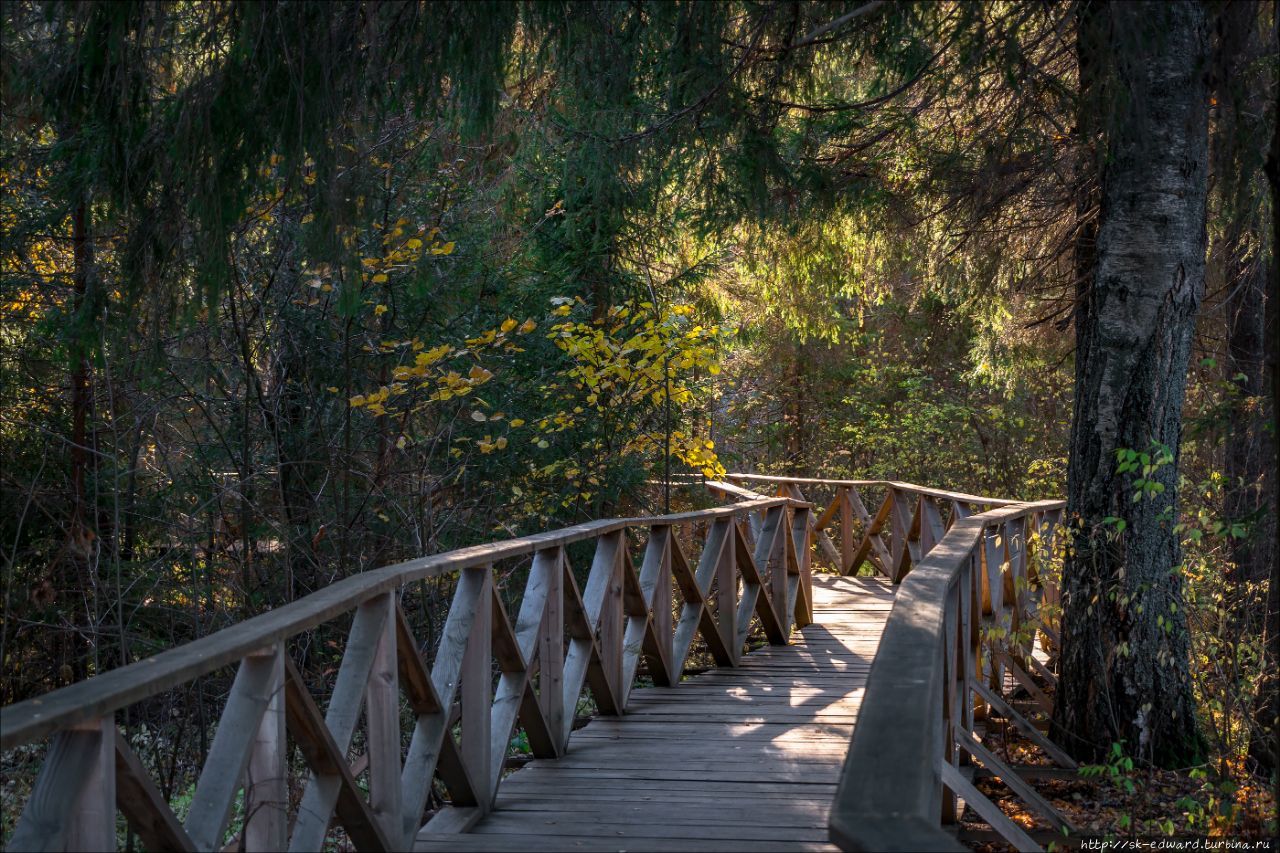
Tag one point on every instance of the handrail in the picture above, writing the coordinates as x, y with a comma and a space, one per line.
933, 668
906, 487
564, 638
23, 722
902, 774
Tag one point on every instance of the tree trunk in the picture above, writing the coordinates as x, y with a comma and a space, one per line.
1125, 649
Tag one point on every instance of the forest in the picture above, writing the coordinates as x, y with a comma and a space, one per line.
294, 291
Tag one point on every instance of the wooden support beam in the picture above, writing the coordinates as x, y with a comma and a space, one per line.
513, 683
587, 661
847, 553
432, 749
322, 792
382, 723
1013, 781
725, 599
871, 542
142, 804
769, 555
328, 763
1025, 680
1024, 725
549, 568
987, 810
66, 810
802, 598
655, 586
932, 528
228, 759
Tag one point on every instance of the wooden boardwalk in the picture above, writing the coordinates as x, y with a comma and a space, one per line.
745, 757
734, 759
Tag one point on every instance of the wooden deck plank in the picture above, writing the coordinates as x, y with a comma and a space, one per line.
743, 758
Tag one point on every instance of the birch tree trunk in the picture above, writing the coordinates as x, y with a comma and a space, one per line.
1125, 646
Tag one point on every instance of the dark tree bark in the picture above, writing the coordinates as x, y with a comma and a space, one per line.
1124, 664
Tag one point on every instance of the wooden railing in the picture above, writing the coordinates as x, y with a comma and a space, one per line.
908, 522
972, 613
487, 676
939, 671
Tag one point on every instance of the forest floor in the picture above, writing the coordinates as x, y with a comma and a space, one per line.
1121, 801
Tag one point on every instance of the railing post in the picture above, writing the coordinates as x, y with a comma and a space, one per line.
779, 573
726, 575
266, 798
382, 715
551, 646
800, 602
477, 692
846, 532
93, 821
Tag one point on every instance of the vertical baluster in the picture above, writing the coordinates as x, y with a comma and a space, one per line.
846, 532
726, 574
900, 525
266, 799
382, 714
611, 624
551, 646
801, 599
779, 575
663, 608
949, 709
477, 692
655, 591
93, 820
973, 637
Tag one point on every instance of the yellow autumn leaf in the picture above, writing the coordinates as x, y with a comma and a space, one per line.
356, 401
501, 443
332, 389
517, 422
310, 217
507, 325
527, 326
414, 243
479, 374
380, 278
379, 310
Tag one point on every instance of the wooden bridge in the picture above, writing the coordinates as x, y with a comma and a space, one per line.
651, 726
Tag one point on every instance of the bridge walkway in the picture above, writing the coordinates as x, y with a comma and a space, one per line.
733, 759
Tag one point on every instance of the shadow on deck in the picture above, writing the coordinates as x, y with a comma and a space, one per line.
734, 759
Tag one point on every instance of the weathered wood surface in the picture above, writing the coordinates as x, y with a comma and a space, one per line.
918, 717
734, 759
